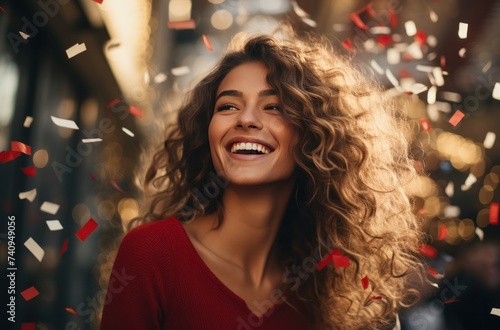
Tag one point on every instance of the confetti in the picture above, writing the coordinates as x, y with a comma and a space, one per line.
433, 272
376, 67
112, 103
75, 50
462, 52
449, 190
496, 91
437, 73
425, 124
64, 247
452, 97
30, 293
348, 45
128, 132
495, 311
29, 195
336, 256
180, 71
7, 156
489, 140
442, 232
98, 1
410, 28
54, 225
384, 40
49, 207
494, 213
64, 123
451, 211
418, 88
479, 233
394, 19
29, 171
451, 301
71, 310
456, 118
299, 11
433, 16
365, 282
391, 78
91, 140
160, 77
28, 326
420, 38
93, 177
486, 67
462, 30
393, 56
380, 30
20, 147
207, 43
34, 248
357, 21
375, 296
309, 22
182, 25
27, 121
135, 111
117, 187
24, 35
471, 179
428, 251
86, 230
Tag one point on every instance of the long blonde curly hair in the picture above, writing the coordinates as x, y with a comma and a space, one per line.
353, 164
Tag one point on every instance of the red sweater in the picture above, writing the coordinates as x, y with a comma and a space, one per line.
159, 281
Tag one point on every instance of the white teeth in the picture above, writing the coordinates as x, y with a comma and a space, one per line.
249, 146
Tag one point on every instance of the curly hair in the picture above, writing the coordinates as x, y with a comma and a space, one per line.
353, 164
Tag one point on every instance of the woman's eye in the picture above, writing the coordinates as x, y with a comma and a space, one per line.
226, 107
273, 107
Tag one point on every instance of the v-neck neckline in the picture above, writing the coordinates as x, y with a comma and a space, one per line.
241, 302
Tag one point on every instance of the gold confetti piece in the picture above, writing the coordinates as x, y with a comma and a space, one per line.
24, 35
29, 195
49, 207
66, 123
462, 30
377, 67
479, 233
160, 77
489, 140
91, 140
180, 71
411, 28
34, 248
450, 189
495, 311
128, 132
27, 121
54, 225
496, 91
76, 49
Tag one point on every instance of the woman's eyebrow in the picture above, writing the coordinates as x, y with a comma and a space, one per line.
232, 92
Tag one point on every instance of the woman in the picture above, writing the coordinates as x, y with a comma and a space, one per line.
281, 155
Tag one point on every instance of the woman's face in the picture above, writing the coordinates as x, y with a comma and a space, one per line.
250, 140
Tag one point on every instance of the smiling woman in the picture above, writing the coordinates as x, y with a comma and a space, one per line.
313, 164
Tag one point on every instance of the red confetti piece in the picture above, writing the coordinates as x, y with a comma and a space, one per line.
64, 247
365, 282
325, 261
420, 38
117, 187
28, 326
113, 103
357, 21
451, 301
394, 19
348, 45
207, 43
432, 271
93, 177
456, 118
182, 25
98, 1
135, 111
428, 251
29, 171
30, 293
336, 256
71, 310
1, 8
494, 213
426, 125
7, 156
86, 230
375, 296
442, 61
20, 147
442, 232
384, 40
341, 261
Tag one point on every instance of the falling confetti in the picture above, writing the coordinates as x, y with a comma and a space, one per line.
86, 230
425, 124
98, 1
54, 225
24, 35
160, 77
471, 179
365, 282
92, 140
489, 140
451, 301
494, 213
495, 311
376, 67
34, 248
75, 50
29, 195
64, 123
182, 25
433, 16
64, 247
112, 103
207, 43
348, 45
117, 187
434, 273
27, 121
496, 91
462, 52
479, 233
336, 256
180, 71
30, 293
128, 132
49, 207
1, 8
428, 251
135, 111
20, 147
437, 74
450, 189
442, 232
29, 171
410, 28
357, 21
28, 326
462, 30
71, 310
451, 211
456, 118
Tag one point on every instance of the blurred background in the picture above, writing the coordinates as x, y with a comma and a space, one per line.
85, 83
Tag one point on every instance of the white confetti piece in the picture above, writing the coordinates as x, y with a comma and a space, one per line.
424, 68
462, 30
479, 233
495, 311
471, 179
34, 248
489, 140
450, 189
462, 52
451, 96
29, 195
415, 51
432, 112
391, 78
49, 207
432, 41
451, 211
180, 71
411, 28
24, 35
128, 132
431, 95
496, 91
443, 107
380, 30
147, 78
338, 27
434, 285
437, 73
309, 22
54, 225
486, 67
27, 121
377, 67
64, 122
160, 77
299, 11
418, 88
76, 49
393, 56
433, 16
91, 140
